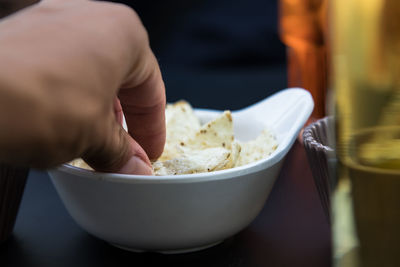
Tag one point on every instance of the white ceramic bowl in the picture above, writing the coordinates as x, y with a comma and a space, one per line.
183, 213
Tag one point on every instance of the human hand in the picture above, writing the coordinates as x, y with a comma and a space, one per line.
62, 66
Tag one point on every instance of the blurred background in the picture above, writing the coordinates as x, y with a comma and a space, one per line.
222, 54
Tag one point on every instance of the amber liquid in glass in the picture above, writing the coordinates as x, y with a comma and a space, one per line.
366, 202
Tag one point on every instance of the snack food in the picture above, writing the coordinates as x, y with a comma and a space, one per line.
194, 148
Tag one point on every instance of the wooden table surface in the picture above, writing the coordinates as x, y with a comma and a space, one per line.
291, 230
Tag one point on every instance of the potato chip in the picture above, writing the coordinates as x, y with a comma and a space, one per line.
180, 123
216, 133
257, 149
80, 163
211, 148
195, 161
194, 148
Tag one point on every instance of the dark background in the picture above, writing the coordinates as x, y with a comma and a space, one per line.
223, 54
216, 54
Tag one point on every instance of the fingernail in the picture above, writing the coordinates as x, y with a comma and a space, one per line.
136, 165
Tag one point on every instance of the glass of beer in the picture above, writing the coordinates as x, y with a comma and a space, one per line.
366, 71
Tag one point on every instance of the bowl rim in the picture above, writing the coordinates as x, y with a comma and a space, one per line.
257, 166
253, 167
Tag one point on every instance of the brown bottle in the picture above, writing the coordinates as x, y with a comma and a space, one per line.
303, 25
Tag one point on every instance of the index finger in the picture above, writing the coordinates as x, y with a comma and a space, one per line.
142, 98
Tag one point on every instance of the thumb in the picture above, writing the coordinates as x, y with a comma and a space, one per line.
119, 153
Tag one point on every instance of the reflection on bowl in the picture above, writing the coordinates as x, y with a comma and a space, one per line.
319, 143
181, 213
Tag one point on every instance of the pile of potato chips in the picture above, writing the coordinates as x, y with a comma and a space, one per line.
194, 148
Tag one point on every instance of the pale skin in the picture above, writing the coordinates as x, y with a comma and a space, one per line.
65, 67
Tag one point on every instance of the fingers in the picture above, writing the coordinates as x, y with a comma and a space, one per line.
120, 153
143, 101
142, 98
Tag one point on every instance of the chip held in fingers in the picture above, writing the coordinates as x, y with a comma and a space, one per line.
194, 148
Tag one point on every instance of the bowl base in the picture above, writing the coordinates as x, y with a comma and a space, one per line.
171, 251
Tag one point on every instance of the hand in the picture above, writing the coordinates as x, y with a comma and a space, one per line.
62, 66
